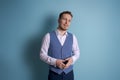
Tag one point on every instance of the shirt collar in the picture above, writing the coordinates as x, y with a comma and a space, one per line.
58, 33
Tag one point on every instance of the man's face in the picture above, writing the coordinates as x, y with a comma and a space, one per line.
64, 22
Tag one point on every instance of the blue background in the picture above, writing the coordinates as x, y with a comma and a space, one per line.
23, 23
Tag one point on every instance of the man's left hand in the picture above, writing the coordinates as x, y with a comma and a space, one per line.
70, 60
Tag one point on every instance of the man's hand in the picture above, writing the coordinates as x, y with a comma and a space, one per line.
60, 63
70, 60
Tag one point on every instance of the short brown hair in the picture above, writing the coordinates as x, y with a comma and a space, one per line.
65, 12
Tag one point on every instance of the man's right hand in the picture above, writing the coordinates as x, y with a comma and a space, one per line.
60, 63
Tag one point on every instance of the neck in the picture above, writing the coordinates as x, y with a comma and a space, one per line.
62, 32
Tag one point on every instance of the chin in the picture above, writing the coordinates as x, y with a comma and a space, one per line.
65, 29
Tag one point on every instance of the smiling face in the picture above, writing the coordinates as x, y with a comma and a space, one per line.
64, 21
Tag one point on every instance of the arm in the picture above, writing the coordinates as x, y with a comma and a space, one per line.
44, 54
76, 50
44, 51
76, 53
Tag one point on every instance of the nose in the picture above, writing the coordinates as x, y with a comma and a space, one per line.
67, 22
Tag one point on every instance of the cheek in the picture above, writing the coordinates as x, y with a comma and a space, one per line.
61, 22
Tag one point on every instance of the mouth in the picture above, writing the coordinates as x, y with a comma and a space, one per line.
66, 25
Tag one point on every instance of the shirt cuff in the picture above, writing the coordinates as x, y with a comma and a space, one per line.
74, 59
53, 62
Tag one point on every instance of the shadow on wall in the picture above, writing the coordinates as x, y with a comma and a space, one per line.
38, 68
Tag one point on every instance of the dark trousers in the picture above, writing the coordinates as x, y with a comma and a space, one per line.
54, 76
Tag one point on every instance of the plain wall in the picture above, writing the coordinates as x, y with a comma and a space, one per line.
96, 24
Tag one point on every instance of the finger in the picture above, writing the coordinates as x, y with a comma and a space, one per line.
70, 60
66, 66
63, 65
60, 67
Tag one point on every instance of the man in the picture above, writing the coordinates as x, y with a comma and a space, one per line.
60, 50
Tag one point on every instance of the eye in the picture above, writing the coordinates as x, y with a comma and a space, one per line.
69, 20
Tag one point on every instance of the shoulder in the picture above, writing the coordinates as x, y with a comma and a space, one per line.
69, 33
47, 36
73, 35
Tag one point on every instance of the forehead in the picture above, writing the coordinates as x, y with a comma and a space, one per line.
66, 16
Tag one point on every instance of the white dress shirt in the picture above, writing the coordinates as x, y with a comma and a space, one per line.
45, 46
